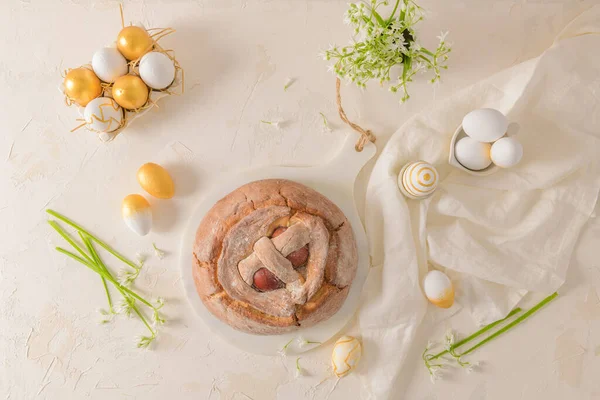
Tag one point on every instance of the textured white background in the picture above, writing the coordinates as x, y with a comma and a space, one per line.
237, 56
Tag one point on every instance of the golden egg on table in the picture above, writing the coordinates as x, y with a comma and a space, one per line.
130, 92
346, 355
137, 214
156, 180
82, 86
133, 42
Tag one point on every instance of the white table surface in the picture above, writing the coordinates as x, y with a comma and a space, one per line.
237, 56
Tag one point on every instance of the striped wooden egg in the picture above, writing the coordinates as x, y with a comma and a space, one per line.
418, 180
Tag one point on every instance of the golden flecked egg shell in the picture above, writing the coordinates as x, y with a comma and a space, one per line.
156, 180
130, 92
82, 86
133, 42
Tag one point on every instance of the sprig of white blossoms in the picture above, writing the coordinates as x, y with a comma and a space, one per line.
283, 351
436, 363
382, 44
288, 82
158, 252
275, 124
303, 343
299, 370
106, 315
326, 127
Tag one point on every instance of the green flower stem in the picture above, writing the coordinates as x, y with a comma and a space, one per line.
68, 238
141, 316
393, 12
96, 257
99, 262
476, 334
94, 238
105, 275
88, 264
516, 322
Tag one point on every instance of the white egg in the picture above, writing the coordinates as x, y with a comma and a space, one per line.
347, 351
485, 124
506, 152
108, 64
103, 114
438, 289
137, 214
157, 70
472, 154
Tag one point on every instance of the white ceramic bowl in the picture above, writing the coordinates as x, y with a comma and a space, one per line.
513, 128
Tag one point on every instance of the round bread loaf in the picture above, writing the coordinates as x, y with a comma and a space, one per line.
273, 256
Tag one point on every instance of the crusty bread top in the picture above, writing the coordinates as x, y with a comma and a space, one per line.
233, 241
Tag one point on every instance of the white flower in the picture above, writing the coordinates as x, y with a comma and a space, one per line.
449, 339
143, 342
126, 306
326, 127
127, 276
302, 342
159, 303
158, 252
283, 351
140, 258
443, 36
106, 316
288, 83
299, 370
276, 124
435, 374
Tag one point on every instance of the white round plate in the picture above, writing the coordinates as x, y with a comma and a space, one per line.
335, 180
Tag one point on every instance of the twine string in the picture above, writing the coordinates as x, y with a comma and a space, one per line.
365, 134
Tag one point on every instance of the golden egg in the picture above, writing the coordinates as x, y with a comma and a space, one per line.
130, 92
133, 42
82, 86
155, 180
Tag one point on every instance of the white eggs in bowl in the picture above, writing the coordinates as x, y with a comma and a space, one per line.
472, 146
472, 154
157, 70
485, 125
506, 152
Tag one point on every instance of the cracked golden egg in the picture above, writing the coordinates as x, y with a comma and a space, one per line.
137, 214
346, 355
438, 289
156, 180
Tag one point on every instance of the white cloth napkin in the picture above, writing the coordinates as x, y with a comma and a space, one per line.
498, 236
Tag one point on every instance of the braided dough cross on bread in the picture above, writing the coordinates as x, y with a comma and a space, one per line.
286, 232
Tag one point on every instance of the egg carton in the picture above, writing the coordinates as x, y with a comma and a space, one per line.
176, 88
